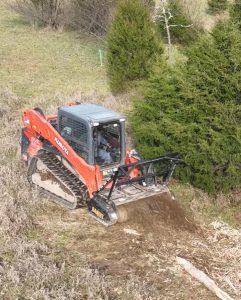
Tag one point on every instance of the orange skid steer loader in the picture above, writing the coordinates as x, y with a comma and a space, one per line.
79, 158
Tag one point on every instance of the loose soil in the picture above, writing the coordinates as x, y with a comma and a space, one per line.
152, 212
164, 230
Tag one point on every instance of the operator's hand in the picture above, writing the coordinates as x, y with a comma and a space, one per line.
108, 147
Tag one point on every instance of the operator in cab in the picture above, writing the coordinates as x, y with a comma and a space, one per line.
101, 146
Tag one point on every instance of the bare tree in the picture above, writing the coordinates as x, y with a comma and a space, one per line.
51, 13
163, 11
92, 16
89, 16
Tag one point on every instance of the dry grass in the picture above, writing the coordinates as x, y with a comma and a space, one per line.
197, 10
14, 215
46, 63
223, 207
33, 273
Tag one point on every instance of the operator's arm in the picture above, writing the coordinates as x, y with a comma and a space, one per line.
102, 140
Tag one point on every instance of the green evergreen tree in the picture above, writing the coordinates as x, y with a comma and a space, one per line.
195, 109
235, 12
179, 34
217, 6
132, 44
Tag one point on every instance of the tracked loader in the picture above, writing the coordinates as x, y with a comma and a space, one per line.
79, 158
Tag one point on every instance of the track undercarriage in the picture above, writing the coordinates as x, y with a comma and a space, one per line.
48, 172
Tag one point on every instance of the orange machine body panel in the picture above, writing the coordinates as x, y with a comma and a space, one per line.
37, 126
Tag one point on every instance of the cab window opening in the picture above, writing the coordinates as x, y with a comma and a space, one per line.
107, 143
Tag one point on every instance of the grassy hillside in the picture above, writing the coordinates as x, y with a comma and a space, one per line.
45, 63
48, 252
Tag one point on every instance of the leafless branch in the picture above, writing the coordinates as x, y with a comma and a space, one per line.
203, 278
180, 25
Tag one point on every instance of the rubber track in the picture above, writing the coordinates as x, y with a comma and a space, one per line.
64, 175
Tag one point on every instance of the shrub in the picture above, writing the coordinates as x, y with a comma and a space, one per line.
50, 13
92, 16
179, 34
217, 6
235, 12
132, 45
195, 109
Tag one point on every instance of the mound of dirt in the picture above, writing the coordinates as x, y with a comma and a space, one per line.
157, 210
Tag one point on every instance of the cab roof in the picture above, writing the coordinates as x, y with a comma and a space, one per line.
89, 112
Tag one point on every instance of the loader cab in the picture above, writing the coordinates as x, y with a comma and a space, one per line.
95, 133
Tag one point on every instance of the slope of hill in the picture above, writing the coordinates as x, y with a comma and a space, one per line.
47, 252
37, 62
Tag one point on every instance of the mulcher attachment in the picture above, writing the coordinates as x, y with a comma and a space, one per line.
110, 205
